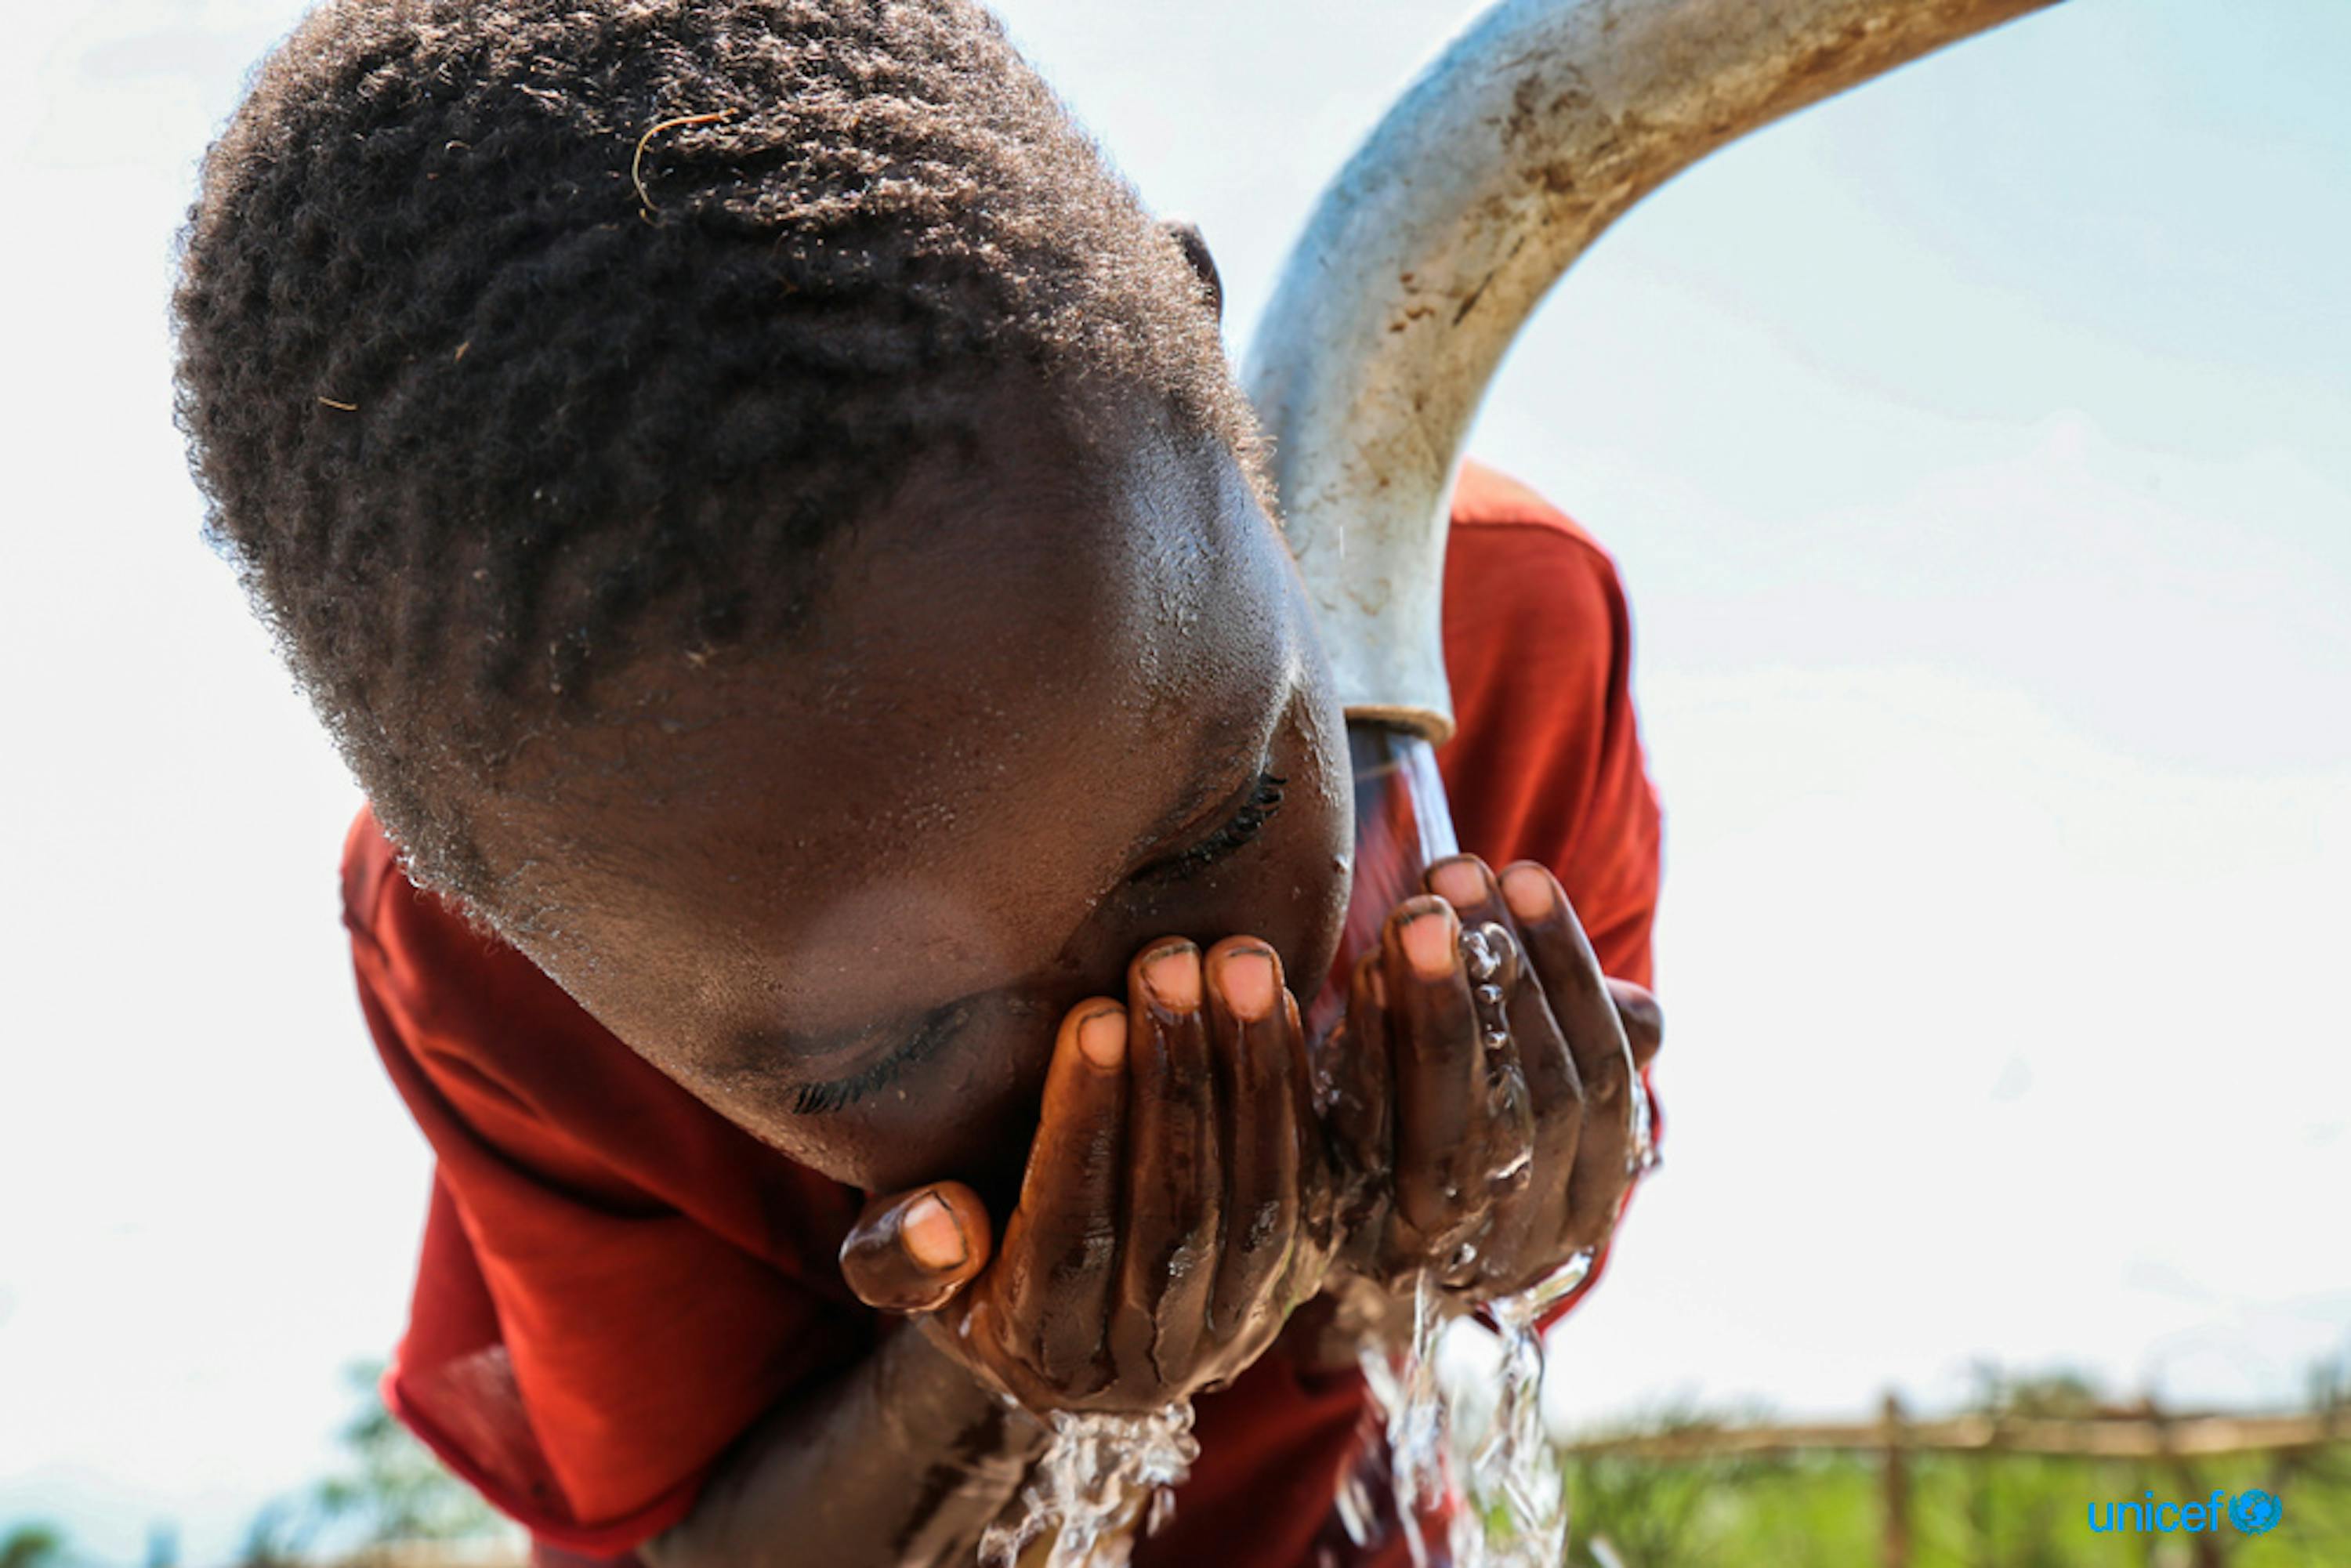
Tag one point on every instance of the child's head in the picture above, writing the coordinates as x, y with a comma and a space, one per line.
764, 514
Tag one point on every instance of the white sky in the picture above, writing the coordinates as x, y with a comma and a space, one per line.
1977, 453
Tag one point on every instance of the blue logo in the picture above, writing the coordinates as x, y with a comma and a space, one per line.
2255, 1511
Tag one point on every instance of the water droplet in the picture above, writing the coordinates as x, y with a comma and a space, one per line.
1479, 956
1358, 1514
1643, 1158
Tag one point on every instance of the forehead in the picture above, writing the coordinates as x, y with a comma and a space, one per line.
973, 637
1008, 692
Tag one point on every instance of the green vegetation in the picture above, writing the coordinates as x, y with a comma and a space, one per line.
1804, 1510
1965, 1510
393, 1491
33, 1546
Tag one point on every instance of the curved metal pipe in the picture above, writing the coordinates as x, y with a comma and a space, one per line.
1527, 135
1530, 133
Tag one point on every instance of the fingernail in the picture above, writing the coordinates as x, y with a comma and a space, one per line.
1173, 977
1458, 883
1527, 890
1429, 944
1102, 1037
929, 1233
1246, 976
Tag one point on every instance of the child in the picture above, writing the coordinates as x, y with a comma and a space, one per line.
764, 515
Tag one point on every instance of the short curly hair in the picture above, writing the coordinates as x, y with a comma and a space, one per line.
522, 338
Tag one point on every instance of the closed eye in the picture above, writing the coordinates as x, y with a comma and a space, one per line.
930, 1032
1264, 801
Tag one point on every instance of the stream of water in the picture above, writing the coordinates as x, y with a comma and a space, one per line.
1105, 1479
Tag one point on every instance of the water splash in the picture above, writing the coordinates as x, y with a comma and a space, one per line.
1517, 1512
1492, 1472
1403, 1384
1099, 1476
1514, 1512
1645, 1157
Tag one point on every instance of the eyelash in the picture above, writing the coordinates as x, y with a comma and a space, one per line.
821, 1099
838, 1093
1264, 801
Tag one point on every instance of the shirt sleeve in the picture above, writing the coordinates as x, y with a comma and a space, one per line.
1546, 763
615, 1281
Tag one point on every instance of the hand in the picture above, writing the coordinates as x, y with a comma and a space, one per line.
1488, 1123
1175, 1206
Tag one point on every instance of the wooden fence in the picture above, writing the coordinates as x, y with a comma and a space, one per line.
2142, 1432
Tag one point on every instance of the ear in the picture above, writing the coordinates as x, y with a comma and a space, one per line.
1186, 235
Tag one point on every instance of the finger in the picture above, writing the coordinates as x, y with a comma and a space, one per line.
1554, 1088
1437, 1066
1564, 964
1317, 1181
910, 1252
1168, 1266
1061, 1247
1586, 1011
1356, 1065
1529, 1219
1360, 1117
1643, 1019
1463, 882
1253, 1044
1531, 1075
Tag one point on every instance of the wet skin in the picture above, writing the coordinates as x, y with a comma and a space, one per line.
845, 894
1053, 766
1183, 1196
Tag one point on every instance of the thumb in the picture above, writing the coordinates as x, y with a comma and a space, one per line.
910, 1252
1643, 1020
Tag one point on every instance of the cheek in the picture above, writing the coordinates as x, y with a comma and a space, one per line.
1323, 856
1320, 867
885, 1145
966, 1113
1289, 888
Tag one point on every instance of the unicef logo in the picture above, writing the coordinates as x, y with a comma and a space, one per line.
2255, 1512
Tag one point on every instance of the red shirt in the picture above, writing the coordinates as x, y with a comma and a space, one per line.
616, 1281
